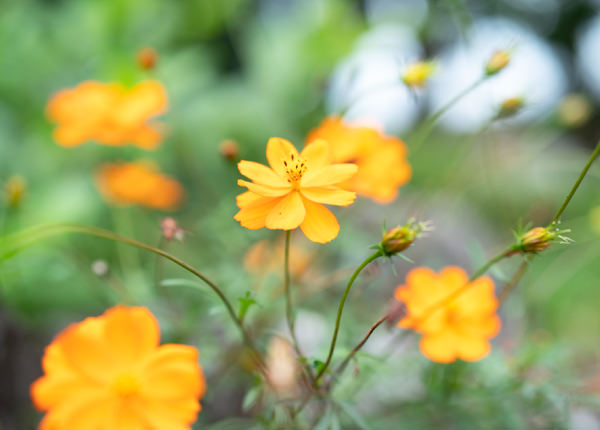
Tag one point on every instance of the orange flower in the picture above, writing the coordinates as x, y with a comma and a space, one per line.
108, 113
139, 183
109, 373
457, 328
291, 193
381, 160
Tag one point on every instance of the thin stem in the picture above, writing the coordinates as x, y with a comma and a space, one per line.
576, 185
372, 257
56, 229
289, 308
360, 344
510, 285
427, 127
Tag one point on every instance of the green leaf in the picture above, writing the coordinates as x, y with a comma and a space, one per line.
245, 303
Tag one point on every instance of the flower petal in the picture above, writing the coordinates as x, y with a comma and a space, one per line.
247, 198
287, 214
316, 154
131, 333
254, 214
263, 190
439, 347
319, 225
278, 151
329, 175
329, 195
260, 174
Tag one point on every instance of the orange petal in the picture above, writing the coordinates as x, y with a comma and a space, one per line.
278, 151
261, 174
247, 198
253, 215
329, 195
329, 175
288, 214
472, 348
454, 277
131, 333
319, 225
167, 414
145, 100
316, 154
87, 410
264, 190
439, 347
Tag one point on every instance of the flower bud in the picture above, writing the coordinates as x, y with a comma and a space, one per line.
14, 190
146, 58
537, 239
399, 238
498, 61
171, 230
510, 107
416, 74
229, 149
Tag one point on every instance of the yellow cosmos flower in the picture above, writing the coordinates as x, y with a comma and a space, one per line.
292, 192
111, 373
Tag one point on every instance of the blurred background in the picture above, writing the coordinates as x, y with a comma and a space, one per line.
246, 70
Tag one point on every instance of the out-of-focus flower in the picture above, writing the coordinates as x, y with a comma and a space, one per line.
229, 150
14, 191
100, 268
171, 229
510, 107
574, 110
266, 257
381, 160
595, 219
147, 58
417, 74
291, 193
452, 329
108, 113
498, 61
282, 367
139, 183
109, 373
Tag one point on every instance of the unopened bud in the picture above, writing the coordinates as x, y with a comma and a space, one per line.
416, 74
229, 149
14, 190
510, 107
171, 230
498, 61
100, 268
398, 239
146, 58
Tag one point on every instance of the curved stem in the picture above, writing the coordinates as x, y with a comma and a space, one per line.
56, 229
360, 344
577, 183
372, 257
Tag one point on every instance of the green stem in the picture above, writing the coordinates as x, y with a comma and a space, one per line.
577, 183
57, 229
289, 308
427, 127
372, 257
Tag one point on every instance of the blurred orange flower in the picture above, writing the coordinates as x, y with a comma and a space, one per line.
139, 183
291, 193
108, 113
109, 373
381, 160
265, 257
457, 328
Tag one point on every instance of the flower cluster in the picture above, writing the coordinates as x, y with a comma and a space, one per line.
381, 159
108, 113
110, 373
456, 317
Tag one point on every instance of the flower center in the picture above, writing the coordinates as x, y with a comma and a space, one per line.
294, 168
126, 385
